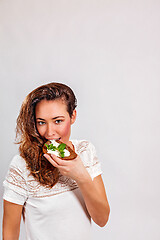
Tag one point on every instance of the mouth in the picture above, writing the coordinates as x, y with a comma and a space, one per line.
54, 139
58, 139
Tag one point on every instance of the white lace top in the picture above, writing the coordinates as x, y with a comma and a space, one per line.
55, 213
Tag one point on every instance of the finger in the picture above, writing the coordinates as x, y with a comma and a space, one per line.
59, 161
51, 160
56, 159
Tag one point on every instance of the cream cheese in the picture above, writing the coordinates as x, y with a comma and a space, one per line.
56, 152
56, 144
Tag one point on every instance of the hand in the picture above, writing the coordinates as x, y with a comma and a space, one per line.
69, 168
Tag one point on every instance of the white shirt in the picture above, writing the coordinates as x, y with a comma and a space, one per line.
56, 213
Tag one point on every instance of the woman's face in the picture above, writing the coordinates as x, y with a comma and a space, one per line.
53, 121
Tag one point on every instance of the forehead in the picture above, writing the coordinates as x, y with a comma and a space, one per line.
51, 107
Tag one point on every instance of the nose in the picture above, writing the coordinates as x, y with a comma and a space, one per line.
50, 131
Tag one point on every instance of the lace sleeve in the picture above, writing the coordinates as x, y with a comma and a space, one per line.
15, 182
95, 165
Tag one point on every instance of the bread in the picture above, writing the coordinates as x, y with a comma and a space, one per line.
72, 155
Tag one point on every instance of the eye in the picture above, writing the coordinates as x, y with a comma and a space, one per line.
58, 121
40, 123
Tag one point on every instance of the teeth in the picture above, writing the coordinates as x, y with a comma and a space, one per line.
58, 139
55, 139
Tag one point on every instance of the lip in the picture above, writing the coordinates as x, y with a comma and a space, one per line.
54, 138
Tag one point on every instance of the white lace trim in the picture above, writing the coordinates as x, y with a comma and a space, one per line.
15, 181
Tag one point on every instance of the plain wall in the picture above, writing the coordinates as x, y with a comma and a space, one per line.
108, 53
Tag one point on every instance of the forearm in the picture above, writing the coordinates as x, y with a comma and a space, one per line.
93, 191
97, 205
10, 232
10, 238
10, 235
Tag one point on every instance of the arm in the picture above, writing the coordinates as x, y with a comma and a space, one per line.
11, 220
93, 191
95, 199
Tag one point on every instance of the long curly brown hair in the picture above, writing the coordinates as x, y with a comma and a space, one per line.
28, 137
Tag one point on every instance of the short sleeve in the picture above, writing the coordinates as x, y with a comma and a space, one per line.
15, 187
14, 197
95, 165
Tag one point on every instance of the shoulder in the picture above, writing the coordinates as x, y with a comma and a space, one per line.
18, 162
15, 178
80, 142
83, 145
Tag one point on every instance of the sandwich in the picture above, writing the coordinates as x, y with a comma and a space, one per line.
59, 149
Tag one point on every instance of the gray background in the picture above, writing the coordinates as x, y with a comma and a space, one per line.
108, 52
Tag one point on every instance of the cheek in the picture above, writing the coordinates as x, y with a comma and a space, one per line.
40, 130
66, 128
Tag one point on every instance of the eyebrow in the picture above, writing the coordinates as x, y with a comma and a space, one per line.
52, 118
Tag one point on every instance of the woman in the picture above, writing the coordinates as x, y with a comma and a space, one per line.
56, 197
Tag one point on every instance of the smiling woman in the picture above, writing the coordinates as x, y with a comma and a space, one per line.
49, 190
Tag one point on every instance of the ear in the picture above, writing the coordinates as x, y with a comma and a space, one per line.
74, 115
